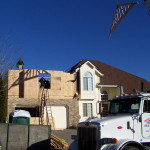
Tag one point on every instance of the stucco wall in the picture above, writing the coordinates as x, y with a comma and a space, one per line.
89, 96
112, 92
94, 109
93, 97
96, 79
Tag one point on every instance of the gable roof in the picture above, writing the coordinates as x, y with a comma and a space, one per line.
114, 76
95, 68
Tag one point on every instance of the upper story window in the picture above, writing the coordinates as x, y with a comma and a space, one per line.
87, 81
44, 80
104, 96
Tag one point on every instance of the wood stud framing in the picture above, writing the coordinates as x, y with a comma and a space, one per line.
121, 11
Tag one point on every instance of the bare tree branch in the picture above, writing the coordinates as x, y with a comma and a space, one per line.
8, 51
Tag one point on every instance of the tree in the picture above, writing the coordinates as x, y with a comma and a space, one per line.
8, 52
3, 102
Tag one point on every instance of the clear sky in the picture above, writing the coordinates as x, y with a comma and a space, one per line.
56, 34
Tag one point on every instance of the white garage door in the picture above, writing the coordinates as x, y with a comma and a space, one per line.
60, 116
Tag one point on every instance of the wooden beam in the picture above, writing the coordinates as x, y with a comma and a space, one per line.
120, 13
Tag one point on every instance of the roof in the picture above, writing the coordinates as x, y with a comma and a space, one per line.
114, 76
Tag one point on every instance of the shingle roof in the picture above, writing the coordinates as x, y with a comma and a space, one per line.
114, 76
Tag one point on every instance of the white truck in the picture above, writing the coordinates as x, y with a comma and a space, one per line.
127, 126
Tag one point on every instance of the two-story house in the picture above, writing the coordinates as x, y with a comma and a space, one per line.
98, 82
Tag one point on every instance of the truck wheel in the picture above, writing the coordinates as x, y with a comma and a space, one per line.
130, 148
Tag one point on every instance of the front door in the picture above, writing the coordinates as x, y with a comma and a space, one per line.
104, 107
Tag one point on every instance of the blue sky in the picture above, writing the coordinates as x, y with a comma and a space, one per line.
56, 34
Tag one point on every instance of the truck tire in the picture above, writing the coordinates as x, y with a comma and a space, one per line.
130, 148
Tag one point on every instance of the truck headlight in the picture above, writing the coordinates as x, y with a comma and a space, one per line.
109, 141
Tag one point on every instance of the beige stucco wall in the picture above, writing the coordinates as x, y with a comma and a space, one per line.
93, 97
89, 96
96, 79
112, 91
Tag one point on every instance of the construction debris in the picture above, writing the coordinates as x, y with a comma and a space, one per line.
57, 142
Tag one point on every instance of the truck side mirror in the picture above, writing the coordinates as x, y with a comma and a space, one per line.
128, 125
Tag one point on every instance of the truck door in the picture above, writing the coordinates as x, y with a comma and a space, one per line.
146, 119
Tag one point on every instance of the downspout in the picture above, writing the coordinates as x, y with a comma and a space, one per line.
121, 90
100, 104
142, 86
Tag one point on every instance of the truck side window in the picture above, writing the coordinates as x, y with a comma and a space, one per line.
146, 106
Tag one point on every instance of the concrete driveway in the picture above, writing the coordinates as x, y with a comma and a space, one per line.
65, 134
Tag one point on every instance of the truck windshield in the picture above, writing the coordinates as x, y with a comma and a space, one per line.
129, 105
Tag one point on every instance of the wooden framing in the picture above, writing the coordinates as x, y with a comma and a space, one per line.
121, 11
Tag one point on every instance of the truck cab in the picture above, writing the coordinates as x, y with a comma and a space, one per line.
127, 126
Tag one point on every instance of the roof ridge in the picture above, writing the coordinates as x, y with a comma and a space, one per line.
117, 69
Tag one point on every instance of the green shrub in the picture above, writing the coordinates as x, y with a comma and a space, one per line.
3, 102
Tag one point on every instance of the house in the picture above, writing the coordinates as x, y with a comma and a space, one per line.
73, 96
24, 92
98, 82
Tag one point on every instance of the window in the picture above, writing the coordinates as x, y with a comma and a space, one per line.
87, 81
128, 105
44, 80
146, 106
87, 110
104, 96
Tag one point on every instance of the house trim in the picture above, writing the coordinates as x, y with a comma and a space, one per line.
77, 69
106, 86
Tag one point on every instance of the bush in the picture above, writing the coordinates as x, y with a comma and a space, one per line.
3, 102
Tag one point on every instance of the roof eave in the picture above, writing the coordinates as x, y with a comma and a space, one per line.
101, 74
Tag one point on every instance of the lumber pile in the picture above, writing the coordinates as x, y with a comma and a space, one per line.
56, 142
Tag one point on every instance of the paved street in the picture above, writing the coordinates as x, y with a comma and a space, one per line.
65, 134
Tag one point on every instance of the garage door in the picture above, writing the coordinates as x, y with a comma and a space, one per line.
60, 116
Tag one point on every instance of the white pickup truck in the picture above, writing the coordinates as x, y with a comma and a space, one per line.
127, 126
